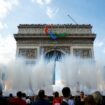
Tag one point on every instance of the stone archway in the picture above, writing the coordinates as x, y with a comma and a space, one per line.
32, 40
54, 54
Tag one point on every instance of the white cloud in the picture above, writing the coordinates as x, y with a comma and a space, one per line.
51, 13
104, 50
7, 42
3, 25
7, 48
42, 2
6, 6
99, 44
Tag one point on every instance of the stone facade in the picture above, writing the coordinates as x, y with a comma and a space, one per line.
32, 40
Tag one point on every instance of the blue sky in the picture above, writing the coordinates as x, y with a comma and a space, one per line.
15, 12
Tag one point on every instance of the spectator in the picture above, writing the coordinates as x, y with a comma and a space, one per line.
3, 100
89, 100
11, 99
26, 99
19, 100
67, 97
98, 98
56, 99
41, 99
82, 98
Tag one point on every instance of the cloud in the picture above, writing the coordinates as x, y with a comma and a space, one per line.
7, 42
51, 13
3, 25
104, 50
6, 6
7, 48
98, 44
42, 2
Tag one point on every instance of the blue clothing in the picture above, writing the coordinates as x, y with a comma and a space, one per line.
71, 102
41, 102
68, 102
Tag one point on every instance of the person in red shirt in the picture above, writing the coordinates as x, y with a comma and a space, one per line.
18, 100
56, 99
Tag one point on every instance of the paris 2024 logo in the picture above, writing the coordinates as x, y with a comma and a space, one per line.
53, 35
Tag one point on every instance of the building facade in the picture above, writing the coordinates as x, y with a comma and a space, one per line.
33, 40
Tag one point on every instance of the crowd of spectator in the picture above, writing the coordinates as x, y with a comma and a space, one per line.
42, 99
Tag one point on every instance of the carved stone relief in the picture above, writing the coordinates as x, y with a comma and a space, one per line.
84, 53
28, 53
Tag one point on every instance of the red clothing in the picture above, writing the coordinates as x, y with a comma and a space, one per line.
18, 101
56, 101
11, 100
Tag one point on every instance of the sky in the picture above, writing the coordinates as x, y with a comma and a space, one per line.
15, 12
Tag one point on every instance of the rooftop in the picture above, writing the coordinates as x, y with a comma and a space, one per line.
55, 25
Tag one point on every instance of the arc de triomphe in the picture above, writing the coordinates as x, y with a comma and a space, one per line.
34, 40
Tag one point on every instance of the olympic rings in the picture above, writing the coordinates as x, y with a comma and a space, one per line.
51, 34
